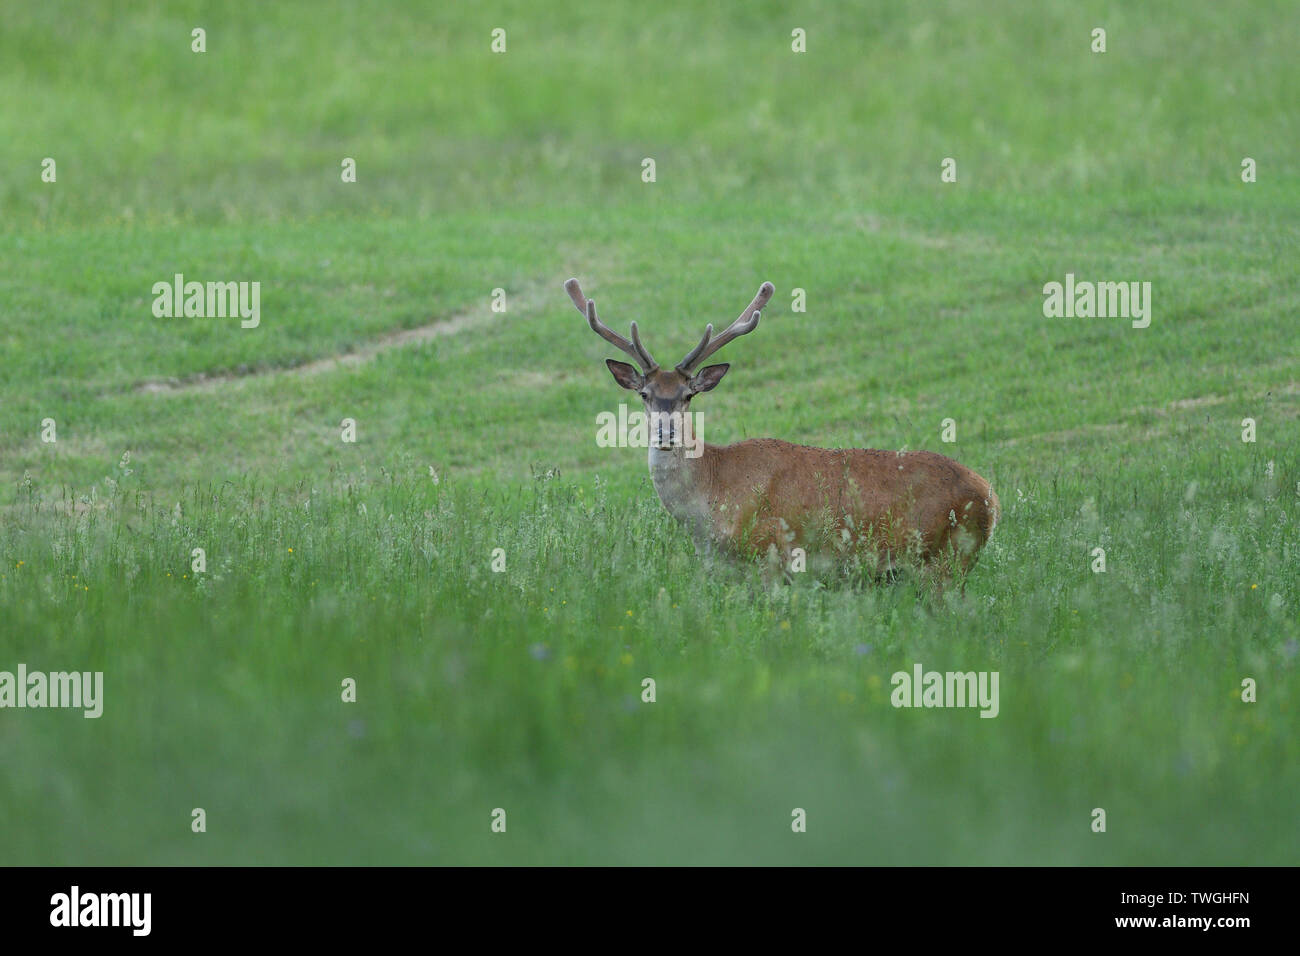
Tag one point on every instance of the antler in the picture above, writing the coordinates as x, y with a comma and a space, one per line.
747, 322
634, 348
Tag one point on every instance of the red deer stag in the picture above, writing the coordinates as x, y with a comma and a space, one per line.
885, 509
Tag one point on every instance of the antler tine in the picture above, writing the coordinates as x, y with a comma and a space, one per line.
685, 364
647, 360
746, 322
633, 348
575, 293
608, 334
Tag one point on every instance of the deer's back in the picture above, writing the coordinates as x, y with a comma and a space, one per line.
781, 490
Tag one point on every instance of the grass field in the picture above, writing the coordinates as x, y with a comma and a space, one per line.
521, 690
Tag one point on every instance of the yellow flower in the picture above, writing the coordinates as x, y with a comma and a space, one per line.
629, 613
1253, 586
291, 550
625, 659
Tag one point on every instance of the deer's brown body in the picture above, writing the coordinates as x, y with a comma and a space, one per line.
771, 496
881, 508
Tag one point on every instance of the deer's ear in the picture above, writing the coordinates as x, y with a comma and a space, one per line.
625, 374
707, 378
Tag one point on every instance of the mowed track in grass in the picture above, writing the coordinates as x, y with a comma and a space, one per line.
522, 690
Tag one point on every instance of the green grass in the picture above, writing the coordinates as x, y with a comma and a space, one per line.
521, 690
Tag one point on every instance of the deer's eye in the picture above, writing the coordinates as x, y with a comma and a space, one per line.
645, 395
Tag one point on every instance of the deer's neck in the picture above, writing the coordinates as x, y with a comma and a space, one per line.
682, 485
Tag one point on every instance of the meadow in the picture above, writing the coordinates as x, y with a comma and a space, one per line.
522, 689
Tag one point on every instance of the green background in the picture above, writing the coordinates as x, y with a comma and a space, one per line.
521, 690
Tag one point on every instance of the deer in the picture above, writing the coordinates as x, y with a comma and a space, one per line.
884, 512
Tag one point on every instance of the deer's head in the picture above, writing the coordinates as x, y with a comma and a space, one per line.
667, 393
